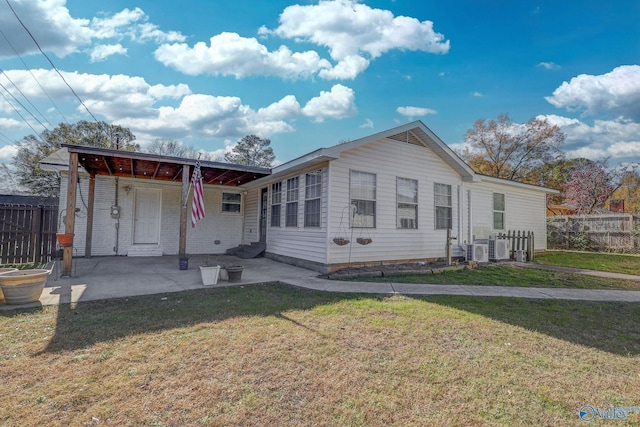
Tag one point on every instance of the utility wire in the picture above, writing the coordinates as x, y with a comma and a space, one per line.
50, 62
25, 97
20, 114
34, 76
23, 107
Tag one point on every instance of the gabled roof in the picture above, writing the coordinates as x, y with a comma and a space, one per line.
411, 133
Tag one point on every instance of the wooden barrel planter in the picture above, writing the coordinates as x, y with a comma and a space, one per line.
23, 286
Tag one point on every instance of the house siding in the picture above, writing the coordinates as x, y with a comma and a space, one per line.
389, 160
524, 211
305, 243
216, 226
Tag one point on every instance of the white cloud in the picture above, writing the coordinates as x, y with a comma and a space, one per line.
7, 153
616, 92
368, 123
618, 139
6, 123
477, 94
347, 68
173, 111
415, 111
348, 28
355, 33
57, 31
49, 22
111, 26
231, 54
336, 104
548, 65
101, 52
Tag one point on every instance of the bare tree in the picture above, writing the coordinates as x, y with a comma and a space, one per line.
517, 152
171, 147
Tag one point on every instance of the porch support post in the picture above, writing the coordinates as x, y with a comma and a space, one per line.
182, 247
90, 202
70, 221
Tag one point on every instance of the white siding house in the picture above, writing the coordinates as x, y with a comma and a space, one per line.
400, 190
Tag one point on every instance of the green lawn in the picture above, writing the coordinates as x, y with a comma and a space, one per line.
628, 264
281, 356
498, 275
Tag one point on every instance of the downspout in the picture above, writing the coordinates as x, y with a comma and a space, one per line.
470, 230
115, 248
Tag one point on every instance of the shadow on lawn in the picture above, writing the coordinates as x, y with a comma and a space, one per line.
84, 324
613, 327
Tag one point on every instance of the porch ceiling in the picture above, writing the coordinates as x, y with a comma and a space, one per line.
130, 164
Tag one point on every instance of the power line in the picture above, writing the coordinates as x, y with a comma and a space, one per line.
22, 105
50, 62
25, 97
20, 114
34, 76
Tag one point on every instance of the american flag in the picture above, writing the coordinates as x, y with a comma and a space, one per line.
197, 209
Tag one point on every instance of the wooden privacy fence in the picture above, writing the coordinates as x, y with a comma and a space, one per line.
519, 241
609, 232
27, 234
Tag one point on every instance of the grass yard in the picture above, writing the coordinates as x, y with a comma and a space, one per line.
616, 263
281, 356
498, 275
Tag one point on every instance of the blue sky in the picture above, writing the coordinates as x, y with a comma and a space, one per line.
312, 74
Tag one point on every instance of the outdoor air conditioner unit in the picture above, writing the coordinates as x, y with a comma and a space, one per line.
478, 252
498, 249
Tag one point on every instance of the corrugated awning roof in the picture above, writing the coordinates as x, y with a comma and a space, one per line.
130, 164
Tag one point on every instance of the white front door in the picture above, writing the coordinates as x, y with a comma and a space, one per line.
146, 223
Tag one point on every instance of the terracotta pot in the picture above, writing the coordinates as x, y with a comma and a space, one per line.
2, 271
65, 239
23, 286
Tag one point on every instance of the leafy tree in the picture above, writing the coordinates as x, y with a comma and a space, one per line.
591, 184
32, 149
517, 152
629, 191
252, 151
171, 147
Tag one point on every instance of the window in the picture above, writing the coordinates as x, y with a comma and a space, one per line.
312, 193
362, 191
407, 203
442, 194
231, 202
291, 218
498, 211
276, 204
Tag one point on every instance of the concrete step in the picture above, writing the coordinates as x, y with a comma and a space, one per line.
254, 250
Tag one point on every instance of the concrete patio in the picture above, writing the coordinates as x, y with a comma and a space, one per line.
119, 277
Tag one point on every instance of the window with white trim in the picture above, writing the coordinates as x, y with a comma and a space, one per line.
312, 193
362, 194
498, 211
276, 204
407, 203
444, 211
231, 202
291, 215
